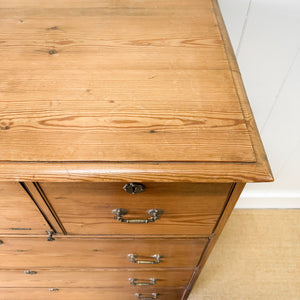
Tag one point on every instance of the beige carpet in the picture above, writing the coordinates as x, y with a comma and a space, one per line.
256, 257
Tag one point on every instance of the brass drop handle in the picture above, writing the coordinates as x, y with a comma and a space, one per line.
133, 259
120, 212
133, 281
140, 296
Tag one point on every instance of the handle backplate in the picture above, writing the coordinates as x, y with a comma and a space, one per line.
133, 188
28, 272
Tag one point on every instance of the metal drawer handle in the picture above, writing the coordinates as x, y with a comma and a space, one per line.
133, 281
30, 272
120, 212
140, 296
133, 259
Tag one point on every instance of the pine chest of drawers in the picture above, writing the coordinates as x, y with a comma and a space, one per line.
126, 139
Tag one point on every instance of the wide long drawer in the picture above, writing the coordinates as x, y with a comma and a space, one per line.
30, 253
131, 278
105, 208
87, 294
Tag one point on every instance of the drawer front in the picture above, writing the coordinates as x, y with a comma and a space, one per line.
87, 294
18, 212
187, 208
132, 278
30, 253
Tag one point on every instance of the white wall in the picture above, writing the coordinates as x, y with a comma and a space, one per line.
265, 35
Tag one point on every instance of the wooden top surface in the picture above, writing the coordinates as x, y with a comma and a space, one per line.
122, 82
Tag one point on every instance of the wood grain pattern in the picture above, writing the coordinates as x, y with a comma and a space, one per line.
54, 87
97, 278
84, 293
106, 3
151, 92
31, 253
134, 172
86, 208
19, 214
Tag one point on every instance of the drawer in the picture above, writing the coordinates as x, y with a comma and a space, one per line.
31, 253
87, 294
132, 278
187, 208
19, 214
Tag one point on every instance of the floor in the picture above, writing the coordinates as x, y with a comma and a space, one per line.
256, 257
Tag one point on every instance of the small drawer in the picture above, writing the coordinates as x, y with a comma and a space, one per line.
31, 253
104, 278
19, 214
88, 294
161, 208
